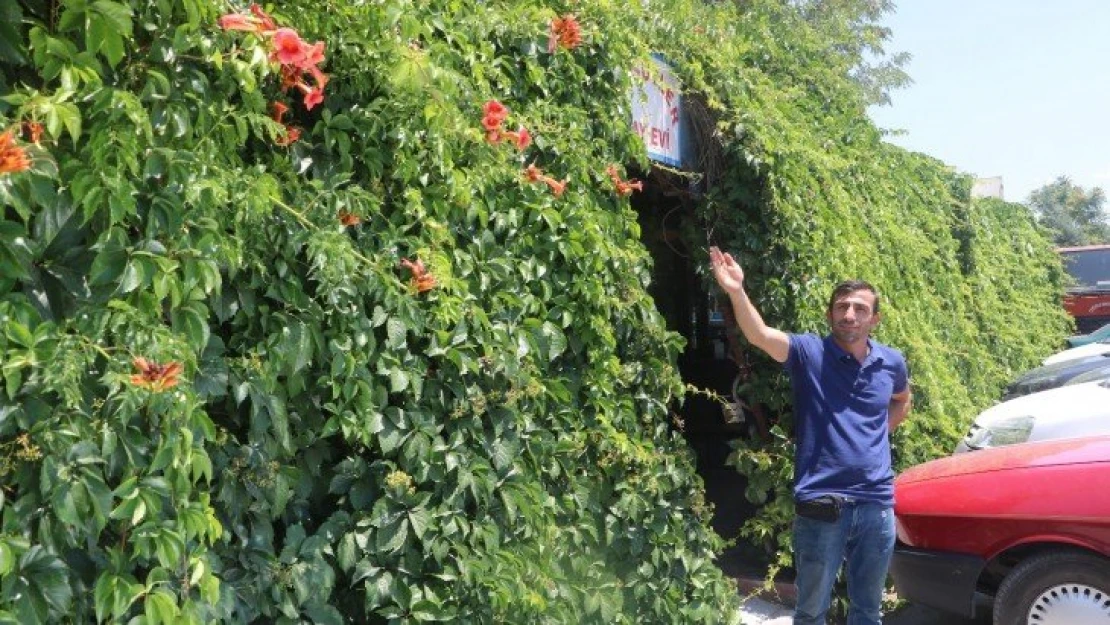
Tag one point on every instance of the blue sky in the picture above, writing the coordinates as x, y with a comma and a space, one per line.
1017, 88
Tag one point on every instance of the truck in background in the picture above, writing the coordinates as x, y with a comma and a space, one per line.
1088, 298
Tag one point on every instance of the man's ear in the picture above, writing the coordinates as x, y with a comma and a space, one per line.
876, 318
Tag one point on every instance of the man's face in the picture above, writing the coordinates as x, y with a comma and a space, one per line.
852, 316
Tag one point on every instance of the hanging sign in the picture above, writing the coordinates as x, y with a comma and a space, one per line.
657, 112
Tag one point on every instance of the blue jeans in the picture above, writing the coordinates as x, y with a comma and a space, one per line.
864, 536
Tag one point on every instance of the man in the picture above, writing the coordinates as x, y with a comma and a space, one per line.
849, 392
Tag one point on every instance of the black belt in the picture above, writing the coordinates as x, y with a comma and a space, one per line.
824, 508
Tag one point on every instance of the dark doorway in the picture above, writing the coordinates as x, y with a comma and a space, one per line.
666, 210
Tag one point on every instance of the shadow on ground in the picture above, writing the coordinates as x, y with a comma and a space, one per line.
914, 614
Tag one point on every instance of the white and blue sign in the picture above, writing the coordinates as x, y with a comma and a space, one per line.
657, 112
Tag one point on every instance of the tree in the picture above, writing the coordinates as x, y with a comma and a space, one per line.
1074, 215
857, 39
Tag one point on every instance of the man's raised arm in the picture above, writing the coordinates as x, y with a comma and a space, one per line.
730, 277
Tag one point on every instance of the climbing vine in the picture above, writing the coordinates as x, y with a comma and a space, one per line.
336, 311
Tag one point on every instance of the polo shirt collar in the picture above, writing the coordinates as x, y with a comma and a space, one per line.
874, 352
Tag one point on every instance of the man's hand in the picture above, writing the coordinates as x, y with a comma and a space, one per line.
726, 270
899, 408
730, 277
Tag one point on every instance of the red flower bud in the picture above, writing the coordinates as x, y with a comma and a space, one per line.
521, 138
265, 21
565, 33
13, 158
238, 21
289, 137
154, 376
491, 123
313, 97
289, 49
495, 109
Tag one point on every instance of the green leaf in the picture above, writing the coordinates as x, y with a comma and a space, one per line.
503, 454
15, 251
111, 46
7, 558
398, 381
395, 333
63, 116
390, 437
118, 15
19, 334
43, 584
168, 546
379, 588
424, 610
556, 340
134, 275
419, 519
324, 614
298, 346
11, 42
160, 607
109, 264
104, 596
192, 320
109, 23
392, 537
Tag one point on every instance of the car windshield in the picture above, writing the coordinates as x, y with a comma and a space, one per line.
1089, 268
1097, 375
1089, 361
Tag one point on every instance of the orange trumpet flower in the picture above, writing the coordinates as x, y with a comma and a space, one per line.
154, 376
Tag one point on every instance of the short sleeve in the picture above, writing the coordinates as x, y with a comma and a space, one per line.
901, 374
800, 353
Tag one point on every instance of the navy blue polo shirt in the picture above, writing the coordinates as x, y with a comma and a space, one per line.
841, 418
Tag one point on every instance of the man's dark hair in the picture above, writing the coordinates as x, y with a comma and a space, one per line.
848, 286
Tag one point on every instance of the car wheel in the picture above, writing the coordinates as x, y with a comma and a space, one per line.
1062, 588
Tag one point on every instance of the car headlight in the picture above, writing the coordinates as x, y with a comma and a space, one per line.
1009, 431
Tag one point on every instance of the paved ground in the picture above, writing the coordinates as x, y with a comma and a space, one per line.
758, 611
921, 615
775, 607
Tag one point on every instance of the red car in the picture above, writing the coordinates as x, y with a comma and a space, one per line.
1027, 524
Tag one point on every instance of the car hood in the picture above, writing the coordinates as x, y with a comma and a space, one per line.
1047, 453
1090, 349
1066, 403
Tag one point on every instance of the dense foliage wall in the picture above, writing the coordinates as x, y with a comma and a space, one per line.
347, 361
360, 331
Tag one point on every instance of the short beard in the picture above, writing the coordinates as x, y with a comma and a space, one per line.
849, 336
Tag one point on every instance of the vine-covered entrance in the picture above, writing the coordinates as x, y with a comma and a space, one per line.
666, 210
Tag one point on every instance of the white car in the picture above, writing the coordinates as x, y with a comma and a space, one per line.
1071, 411
1090, 349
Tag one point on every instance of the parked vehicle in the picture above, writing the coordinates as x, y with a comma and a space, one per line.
1094, 375
1088, 300
1053, 376
1090, 349
1101, 334
1071, 411
1023, 525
